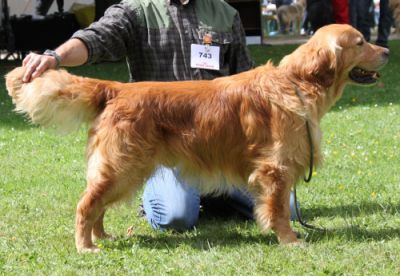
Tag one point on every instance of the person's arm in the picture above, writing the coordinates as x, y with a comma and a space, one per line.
72, 53
104, 40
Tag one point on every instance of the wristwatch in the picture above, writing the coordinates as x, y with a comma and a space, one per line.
53, 54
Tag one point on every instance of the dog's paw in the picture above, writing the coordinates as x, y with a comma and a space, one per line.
296, 244
91, 249
102, 236
290, 238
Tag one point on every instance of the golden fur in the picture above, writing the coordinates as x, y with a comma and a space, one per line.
248, 127
395, 7
291, 16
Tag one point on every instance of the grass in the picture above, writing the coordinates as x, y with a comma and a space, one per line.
355, 195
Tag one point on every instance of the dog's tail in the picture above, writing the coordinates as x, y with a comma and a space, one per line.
58, 98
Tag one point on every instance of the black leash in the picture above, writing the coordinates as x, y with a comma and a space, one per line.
310, 142
308, 178
301, 221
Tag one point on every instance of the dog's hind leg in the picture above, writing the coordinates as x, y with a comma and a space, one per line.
98, 232
114, 174
272, 202
101, 192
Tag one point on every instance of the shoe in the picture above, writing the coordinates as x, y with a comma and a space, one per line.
141, 212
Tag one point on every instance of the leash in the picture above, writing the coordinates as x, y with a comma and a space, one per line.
310, 142
311, 165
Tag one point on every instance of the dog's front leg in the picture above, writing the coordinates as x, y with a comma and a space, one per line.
272, 209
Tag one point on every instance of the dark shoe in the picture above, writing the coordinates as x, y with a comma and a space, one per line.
140, 212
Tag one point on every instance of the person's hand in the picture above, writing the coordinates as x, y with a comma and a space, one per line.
36, 64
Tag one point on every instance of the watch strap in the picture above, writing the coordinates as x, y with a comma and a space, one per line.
53, 53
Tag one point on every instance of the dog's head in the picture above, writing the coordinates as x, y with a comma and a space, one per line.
336, 54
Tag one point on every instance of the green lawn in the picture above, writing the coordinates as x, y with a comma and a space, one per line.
355, 195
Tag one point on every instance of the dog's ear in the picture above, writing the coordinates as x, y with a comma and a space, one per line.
315, 64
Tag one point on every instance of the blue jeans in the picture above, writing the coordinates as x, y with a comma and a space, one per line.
169, 203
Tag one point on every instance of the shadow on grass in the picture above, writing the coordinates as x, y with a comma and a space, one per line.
352, 210
202, 242
217, 237
236, 232
209, 235
353, 233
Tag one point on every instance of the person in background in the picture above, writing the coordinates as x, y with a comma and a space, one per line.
316, 8
384, 24
43, 6
159, 39
360, 13
279, 3
341, 11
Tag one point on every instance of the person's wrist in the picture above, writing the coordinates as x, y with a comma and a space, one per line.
54, 54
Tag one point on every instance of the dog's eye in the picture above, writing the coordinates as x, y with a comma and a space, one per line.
360, 42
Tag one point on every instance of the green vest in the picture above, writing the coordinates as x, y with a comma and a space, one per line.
214, 15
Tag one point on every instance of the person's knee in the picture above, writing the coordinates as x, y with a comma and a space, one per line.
178, 217
169, 203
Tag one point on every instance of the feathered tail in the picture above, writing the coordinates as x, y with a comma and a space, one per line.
58, 98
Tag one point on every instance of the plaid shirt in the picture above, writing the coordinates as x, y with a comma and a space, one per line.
155, 38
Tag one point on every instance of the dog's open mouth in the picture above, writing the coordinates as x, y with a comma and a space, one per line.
362, 76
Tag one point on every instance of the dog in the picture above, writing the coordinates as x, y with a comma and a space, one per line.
395, 8
291, 16
249, 128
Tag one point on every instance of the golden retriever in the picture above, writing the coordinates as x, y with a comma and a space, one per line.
291, 16
395, 7
249, 128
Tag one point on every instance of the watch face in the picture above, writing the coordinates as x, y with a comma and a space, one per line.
49, 53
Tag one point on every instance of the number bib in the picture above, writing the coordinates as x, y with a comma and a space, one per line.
204, 56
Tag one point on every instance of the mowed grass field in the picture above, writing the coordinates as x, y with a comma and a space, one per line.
355, 196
